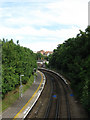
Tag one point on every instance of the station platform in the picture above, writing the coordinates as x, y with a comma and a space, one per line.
23, 105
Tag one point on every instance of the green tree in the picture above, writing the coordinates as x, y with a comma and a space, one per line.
16, 60
73, 59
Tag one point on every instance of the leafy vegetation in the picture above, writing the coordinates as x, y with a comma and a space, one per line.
73, 59
0, 69
13, 95
39, 56
16, 60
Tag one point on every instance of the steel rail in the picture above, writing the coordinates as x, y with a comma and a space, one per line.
50, 103
65, 92
66, 98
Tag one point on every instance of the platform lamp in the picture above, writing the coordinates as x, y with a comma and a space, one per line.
34, 70
21, 86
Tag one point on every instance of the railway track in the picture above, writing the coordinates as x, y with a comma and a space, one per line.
60, 89
64, 89
56, 100
53, 104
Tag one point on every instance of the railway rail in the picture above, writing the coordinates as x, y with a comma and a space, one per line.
56, 100
53, 104
57, 83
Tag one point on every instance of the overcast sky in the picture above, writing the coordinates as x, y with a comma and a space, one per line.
42, 24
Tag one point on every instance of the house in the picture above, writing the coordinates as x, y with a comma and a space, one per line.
41, 51
47, 53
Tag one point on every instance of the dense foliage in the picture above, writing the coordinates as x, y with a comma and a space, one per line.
16, 60
39, 56
73, 59
0, 67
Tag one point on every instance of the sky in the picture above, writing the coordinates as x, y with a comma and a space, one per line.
42, 24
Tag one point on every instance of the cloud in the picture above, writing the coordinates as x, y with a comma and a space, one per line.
43, 22
70, 11
41, 45
42, 33
32, 1
62, 12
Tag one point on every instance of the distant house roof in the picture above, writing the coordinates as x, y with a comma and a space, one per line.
41, 51
45, 53
48, 53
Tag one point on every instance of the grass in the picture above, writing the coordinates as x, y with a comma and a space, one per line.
12, 96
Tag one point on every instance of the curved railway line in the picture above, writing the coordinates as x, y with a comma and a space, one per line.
56, 100
53, 104
60, 93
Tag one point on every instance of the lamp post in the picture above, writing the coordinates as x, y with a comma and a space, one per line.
21, 86
34, 70
34, 78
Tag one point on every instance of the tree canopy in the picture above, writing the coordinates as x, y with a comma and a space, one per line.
73, 59
16, 60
